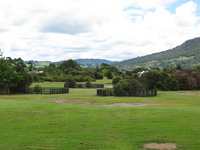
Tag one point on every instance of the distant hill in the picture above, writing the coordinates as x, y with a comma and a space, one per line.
81, 62
38, 64
92, 62
187, 55
96, 61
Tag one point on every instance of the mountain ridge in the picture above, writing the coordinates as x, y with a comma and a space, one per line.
186, 54
88, 62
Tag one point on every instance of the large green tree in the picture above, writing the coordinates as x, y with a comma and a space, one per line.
22, 70
8, 75
160, 80
66, 65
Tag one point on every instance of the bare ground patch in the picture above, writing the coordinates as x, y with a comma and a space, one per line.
160, 146
69, 101
125, 105
192, 93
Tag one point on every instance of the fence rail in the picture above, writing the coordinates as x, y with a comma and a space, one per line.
87, 85
111, 92
35, 91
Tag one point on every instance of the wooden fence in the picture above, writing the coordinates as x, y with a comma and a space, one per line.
88, 85
111, 92
35, 91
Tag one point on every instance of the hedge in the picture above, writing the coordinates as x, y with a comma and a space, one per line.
88, 85
110, 92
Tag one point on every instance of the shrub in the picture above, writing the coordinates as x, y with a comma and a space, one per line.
70, 82
116, 80
88, 84
37, 89
125, 85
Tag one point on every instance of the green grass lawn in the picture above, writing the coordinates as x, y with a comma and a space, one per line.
105, 81
78, 121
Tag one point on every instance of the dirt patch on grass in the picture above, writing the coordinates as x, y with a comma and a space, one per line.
125, 105
192, 93
70, 101
160, 146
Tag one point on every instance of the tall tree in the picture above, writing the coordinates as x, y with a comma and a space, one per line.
8, 76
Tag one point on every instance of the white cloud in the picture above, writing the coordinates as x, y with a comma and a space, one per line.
152, 4
111, 29
185, 14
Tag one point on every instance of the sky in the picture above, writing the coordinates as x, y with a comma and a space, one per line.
116, 30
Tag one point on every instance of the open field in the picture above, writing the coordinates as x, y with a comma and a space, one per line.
80, 120
105, 81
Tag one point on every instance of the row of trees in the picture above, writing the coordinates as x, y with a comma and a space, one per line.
15, 74
69, 69
177, 79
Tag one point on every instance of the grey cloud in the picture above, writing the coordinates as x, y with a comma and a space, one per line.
20, 22
74, 50
65, 24
3, 30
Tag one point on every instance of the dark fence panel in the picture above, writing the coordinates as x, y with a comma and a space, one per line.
89, 86
4, 91
35, 91
111, 92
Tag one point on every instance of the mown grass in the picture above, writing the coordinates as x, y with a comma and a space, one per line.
105, 81
38, 122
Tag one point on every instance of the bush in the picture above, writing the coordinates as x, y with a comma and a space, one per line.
159, 80
104, 92
116, 80
125, 85
88, 84
98, 75
37, 89
70, 82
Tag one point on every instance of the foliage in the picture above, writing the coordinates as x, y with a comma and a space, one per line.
59, 73
88, 84
14, 73
8, 76
116, 80
139, 69
160, 80
98, 75
37, 88
68, 65
197, 68
188, 79
22, 69
107, 73
124, 85
70, 82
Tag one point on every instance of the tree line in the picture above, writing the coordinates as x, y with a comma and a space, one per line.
14, 73
168, 79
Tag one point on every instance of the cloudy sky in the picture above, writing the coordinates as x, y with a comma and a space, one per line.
108, 29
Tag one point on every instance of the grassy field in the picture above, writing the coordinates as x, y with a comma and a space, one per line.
105, 81
80, 120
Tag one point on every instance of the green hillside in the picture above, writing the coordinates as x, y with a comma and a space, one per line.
187, 54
